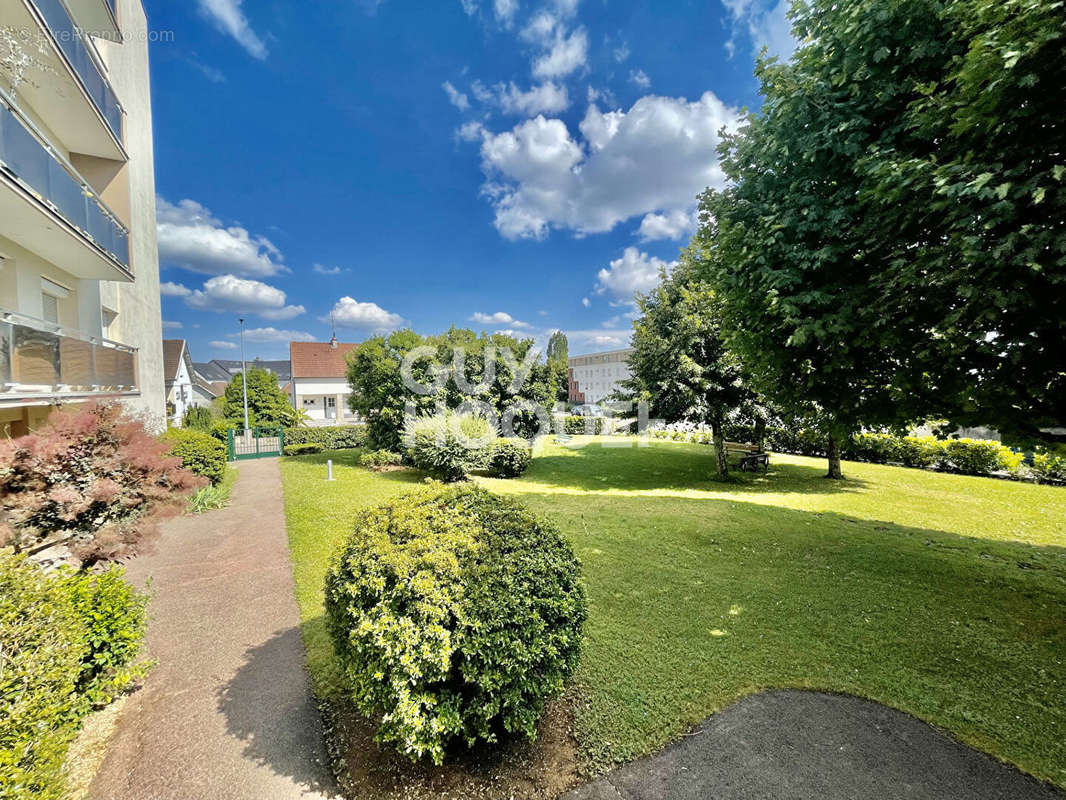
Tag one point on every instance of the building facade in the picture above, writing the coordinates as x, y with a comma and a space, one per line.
79, 270
595, 377
320, 381
184, 389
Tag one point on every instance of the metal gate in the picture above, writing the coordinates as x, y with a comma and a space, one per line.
256, 443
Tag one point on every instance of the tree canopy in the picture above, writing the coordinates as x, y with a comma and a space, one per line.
451, 368
268, 406
891, 246
680, 363
558, 355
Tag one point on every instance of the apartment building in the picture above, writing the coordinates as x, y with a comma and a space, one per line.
79, 269
320, 381
595, 377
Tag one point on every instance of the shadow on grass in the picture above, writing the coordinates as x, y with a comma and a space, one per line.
662, 466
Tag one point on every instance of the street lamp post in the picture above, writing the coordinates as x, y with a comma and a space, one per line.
244, 381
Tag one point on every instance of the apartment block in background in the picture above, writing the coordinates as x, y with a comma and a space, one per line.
595, 377
79, 269
320, 381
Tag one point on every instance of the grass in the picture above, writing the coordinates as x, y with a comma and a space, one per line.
940, 595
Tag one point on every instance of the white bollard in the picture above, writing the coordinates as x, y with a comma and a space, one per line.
329, 470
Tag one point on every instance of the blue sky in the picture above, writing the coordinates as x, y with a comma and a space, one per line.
500, 164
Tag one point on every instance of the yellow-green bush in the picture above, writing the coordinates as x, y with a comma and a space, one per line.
199, 452
455, 614
68, 643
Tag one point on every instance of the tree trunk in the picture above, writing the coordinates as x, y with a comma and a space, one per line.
721, 467
760, 432
833, 451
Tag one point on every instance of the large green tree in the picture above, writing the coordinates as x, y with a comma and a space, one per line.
680, 363
448, 370
891, 246
558, 355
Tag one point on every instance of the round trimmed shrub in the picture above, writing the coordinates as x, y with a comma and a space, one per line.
377, 460
455, 614
199, 452
509, 458
447, 446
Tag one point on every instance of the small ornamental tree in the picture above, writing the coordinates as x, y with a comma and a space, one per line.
92, 478
680, 363
558, 355
268, 406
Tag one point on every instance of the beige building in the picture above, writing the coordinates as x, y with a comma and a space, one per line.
320, 381
79, 268
595, 377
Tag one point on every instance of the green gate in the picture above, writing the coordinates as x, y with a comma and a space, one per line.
256, 443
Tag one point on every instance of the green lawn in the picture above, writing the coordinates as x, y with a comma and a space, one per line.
941, 595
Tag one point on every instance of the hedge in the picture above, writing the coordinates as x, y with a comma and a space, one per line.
199, 452
334, 437
305, 449
455, 615
964, 456
69, 643
448, 446
378, 460
577, 426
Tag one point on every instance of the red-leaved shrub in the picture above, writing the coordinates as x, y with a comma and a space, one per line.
92, 476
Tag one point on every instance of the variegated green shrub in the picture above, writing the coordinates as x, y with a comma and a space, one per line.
455, 614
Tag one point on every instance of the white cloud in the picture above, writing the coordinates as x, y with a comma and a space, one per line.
171, 289
547, 98
656, 157
765, 22
228, 293
639, 77
471, 131
170, 325
566, 55
350, 313
263, 335
228, 17
566, 8
586, 302
323, 270
498, 318
589, 341
191, 237
634, 272
469, 7
223, 345
455, 97
673, 225
505, 11
621, 53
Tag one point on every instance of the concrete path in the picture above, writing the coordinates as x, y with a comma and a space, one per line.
802, 745
227, 714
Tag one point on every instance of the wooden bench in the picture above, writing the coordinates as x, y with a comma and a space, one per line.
751, 457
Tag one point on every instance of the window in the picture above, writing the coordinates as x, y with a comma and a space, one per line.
50, 308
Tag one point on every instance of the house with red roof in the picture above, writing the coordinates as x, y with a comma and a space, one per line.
320, 381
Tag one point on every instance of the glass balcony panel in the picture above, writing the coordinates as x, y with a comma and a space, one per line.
76, 364
115, 369
69, 39
5, 354
36, 361
33, 164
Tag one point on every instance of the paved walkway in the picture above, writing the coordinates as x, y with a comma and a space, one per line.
227, 714
789, 744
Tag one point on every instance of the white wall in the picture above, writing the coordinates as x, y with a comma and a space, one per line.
139, 322
311, 394
181, 394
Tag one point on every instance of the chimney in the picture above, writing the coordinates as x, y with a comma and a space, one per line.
333, 343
